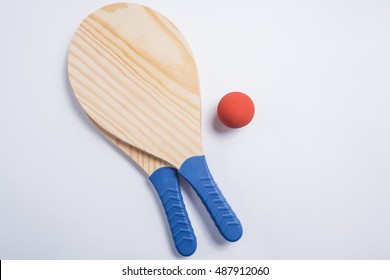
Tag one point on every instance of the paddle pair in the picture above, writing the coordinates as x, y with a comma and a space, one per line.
135, 76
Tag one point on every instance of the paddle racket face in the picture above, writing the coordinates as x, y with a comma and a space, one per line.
135, 76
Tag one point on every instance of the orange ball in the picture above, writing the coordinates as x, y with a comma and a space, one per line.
235, 109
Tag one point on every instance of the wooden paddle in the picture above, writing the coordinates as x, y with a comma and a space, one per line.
134, 74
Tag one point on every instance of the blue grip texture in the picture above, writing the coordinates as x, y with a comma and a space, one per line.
166, 183
196, 172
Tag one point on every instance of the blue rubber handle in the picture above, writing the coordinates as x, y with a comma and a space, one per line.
196, 172
166, 184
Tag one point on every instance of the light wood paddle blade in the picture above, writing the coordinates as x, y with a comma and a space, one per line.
135, 76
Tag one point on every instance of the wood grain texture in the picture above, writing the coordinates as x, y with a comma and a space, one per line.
135, 76
146, 161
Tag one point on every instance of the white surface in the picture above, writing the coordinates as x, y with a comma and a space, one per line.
309, 177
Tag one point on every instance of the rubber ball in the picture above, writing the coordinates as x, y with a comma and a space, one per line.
235, 109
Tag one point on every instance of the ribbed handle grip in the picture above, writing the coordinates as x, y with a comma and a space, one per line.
196, 172
166, 183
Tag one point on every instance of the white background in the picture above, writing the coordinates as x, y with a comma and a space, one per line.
309, 177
